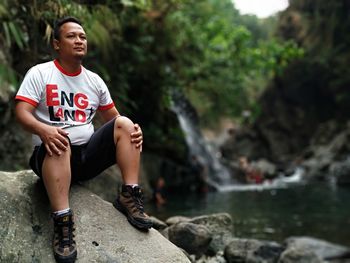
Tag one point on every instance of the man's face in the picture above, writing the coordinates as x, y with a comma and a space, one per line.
72, 42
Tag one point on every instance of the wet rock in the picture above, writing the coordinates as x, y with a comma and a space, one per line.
191, 237
176, 219
341, 172
158, 224
320, 157
321, 248
218, 258
220, 227
253, 251
165, 232
294, 255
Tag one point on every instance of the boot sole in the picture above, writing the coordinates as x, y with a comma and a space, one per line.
132, 221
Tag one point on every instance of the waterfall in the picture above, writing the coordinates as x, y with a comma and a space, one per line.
218, 176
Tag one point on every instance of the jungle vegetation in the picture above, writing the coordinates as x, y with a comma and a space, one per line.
221, 60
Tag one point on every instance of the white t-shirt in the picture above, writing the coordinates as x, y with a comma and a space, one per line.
65, 100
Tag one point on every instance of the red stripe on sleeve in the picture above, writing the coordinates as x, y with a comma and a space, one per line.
106, 107
30, 101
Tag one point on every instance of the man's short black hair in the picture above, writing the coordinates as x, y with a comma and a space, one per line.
60, 22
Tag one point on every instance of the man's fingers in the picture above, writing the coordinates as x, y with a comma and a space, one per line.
62, 132
136, 137
136, 134
139, 145
61, 145
48, 150
54, 148
63, 140
138, 130
138, 140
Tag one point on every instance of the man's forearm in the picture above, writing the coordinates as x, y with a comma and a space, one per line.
29, 122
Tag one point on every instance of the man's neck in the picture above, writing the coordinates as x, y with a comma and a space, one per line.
70, 66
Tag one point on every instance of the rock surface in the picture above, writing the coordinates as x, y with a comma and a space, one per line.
253, 251
322, 249
341, 172
177, 219
292, 255
221, 228
102, 235
193, 238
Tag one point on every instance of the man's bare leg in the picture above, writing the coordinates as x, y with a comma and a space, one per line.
127, 155
130, 201
57, 178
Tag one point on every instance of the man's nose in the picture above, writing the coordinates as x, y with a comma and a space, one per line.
78, 40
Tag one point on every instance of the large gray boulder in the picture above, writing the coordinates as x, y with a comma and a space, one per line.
221, 228
102, 233
322, 249
324, 155
176, 219
252, 251
293, 255
193, 238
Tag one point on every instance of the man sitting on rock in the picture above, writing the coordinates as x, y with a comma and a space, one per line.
57, 101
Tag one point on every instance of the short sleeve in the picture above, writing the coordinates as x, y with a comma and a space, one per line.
106, 101
31, 88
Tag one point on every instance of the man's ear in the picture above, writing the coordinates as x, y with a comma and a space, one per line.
55, 43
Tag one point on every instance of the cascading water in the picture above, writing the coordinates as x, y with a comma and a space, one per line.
218, 175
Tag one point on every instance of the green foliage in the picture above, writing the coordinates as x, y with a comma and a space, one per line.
220, 64
11, 30
13, 34
144, 48
7, 75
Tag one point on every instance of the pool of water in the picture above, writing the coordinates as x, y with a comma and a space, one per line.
317, 210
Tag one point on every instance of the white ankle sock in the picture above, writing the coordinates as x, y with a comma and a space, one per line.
61, 212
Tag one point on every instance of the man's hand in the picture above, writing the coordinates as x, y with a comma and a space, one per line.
55, 140
136, 137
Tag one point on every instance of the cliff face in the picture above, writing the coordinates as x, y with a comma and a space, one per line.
102, 233
308, 104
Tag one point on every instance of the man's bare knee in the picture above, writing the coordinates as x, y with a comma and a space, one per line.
124, 123
62, 159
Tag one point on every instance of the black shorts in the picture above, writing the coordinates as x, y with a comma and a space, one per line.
87, 160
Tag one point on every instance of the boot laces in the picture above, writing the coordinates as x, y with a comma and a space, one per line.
65, 232
138, 199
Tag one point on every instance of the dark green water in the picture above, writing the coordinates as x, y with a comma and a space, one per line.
316, 210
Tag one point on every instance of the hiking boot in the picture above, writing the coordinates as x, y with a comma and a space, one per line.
130, 203
64, 247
